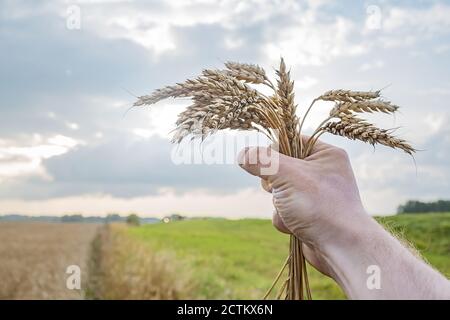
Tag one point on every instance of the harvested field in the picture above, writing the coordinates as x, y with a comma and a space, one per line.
34, 258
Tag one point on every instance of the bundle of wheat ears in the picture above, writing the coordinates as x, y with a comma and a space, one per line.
225, 99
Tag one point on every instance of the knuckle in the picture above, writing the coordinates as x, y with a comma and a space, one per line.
340, 153
287, 166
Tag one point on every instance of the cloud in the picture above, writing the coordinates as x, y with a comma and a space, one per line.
126, 167
387, 178
439, 91
243, 203
72, 125
405, 26
306, 82
26, 160
154, 25
307, 41
77, 84
431, 20
34, 87
367, 66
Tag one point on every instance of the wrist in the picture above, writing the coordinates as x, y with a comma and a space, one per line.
345, 228
349, 253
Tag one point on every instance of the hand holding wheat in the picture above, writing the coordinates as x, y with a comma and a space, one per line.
224, 99
314, 197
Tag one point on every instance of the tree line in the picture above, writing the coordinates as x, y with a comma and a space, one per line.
414, 206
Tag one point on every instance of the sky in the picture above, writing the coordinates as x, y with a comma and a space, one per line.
69, 71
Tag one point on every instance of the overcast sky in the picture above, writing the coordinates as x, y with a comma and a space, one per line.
66, 146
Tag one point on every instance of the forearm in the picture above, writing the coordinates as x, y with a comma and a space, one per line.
367, 251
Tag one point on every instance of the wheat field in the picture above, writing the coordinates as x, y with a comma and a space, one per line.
34, 258
191, 259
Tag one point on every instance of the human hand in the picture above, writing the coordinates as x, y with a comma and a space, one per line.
316, 199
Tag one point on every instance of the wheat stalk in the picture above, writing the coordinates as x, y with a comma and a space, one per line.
223, 99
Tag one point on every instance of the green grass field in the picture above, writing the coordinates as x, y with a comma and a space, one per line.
239, 259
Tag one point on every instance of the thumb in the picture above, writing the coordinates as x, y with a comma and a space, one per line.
260, 161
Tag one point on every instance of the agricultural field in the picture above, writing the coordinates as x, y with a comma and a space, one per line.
34, 258
239, 259
229, 259
190, 259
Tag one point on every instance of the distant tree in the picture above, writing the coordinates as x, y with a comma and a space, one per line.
176, 216
413, 206
113, 217
133, 220
72, 218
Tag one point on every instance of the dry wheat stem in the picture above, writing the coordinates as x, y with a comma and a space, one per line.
224, 99
282, 289
277, 277
303, 121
